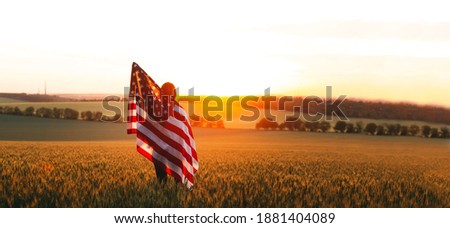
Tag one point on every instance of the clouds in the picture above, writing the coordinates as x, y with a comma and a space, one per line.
243, 46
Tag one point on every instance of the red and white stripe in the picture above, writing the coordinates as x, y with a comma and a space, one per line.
170, 143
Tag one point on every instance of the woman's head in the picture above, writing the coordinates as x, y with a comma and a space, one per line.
168, 89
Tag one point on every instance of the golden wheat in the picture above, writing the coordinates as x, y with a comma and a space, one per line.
312, 174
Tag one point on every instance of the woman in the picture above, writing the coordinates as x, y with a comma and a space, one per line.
167, 89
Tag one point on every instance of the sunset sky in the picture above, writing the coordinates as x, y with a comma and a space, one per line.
387, 50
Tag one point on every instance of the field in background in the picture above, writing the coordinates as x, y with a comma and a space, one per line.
237, 112
238, 168
6, 101
20, 128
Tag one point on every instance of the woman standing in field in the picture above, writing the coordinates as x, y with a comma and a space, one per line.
167, 89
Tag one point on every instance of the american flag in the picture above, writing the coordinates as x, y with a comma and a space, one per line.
162, 128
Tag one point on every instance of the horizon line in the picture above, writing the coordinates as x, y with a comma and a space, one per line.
376, 100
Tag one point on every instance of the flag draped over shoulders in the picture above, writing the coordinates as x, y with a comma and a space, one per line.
162, 128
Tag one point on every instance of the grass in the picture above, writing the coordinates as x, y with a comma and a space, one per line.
9, 100
22, 128
238, 168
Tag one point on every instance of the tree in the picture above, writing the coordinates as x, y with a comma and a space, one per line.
324, 126
1, 109
29, 111
44, 112
70, 114
426, 131
434, 133
58, 113
403, 131
266, 123
299, 125
87, 115
350, 128
292, 124
380, 130
390, 129
17, 111
371, 128
414, 130
445, 133
393, 129
359, 127
340, 126
282, 126
8, 110
313, 126
397, 128
97, 116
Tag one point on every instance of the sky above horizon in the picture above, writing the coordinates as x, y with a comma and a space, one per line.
383, 50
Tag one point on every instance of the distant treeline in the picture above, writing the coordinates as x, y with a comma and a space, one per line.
60, 113
374, 110
351, 108
71, 114
396, 111
357, 128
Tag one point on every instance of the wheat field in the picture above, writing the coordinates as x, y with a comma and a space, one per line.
238, 168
